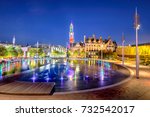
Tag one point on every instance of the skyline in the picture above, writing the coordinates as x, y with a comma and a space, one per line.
48, 21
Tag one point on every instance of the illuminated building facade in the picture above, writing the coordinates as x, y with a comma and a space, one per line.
93, 47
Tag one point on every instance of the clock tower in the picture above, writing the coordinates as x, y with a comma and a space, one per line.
71, 35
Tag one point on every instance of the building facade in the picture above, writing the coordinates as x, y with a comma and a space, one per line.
93, 47
50, 49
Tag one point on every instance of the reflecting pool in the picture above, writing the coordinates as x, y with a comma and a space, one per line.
69, 75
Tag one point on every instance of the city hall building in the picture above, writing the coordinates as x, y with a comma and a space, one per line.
93, 47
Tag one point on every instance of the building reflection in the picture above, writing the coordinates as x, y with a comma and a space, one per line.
12, 67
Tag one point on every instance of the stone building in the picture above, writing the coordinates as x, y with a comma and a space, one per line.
92, 47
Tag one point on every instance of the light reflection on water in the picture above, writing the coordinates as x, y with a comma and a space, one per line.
68, 75
1, 71
9, 67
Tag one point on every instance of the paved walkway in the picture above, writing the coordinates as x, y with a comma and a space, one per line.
131, 90
27, 88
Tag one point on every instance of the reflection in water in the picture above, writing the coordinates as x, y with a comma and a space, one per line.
0, 71
77, 70
67, 74
24, 65
70, 74
72, 69
102, 73
12, 67
61, 78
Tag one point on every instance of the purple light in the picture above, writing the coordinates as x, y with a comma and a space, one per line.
70, 73
61, 78
34, 78
102, 74
86, 77
47, 79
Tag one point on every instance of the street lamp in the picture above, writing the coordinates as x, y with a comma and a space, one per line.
137, 27
37, 45
123, 40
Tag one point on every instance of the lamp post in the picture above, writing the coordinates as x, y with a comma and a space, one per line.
137, 27
37, 45
123, 40
49, 50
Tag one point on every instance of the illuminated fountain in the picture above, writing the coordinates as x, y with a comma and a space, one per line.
34, 77
69, 75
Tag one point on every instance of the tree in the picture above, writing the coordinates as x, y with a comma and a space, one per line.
33, 52
40, 52
12, 51
19, 51
76, 53
55, 53
82, 54
3, 51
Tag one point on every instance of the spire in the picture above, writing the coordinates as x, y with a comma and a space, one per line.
84, 38
71, 34
71, 27
94, 36
109, 37
14, 40
37, 44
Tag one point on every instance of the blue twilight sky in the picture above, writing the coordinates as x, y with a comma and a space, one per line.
47, 21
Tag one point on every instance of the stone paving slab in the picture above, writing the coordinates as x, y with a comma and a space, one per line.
27, 88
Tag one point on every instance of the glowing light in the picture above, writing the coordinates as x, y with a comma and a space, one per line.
70, 78
47, 79
102, 74
54, 61
95, 75
24, 65
61, 78
138, 27
77, 69
107, 65
47, 66
28, 61
34, 77
75, 79
1, 71
86, 77
70, 74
